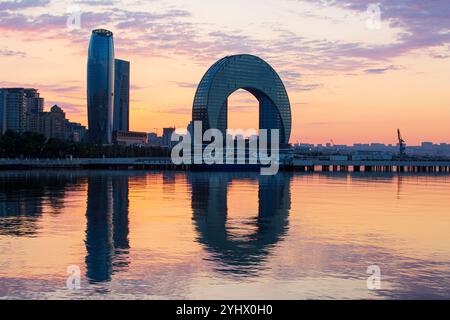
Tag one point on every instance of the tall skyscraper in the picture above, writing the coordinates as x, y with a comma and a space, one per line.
122, 96
20, 109
100, 86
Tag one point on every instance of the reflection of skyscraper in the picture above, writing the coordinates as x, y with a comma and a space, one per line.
100, 86
120, 213
107, 226
209, 203
121, 96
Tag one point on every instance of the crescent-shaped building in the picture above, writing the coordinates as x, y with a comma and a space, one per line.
252, 74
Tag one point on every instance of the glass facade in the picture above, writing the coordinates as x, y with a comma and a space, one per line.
249, 73
122, 96
100, 86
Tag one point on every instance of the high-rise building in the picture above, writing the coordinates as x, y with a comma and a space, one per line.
35, 106
13, 109
121, 96
100, 86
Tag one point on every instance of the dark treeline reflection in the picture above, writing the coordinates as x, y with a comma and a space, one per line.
23, 197
240, 255
107, 226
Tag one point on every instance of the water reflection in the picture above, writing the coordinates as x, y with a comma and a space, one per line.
197, 235
239, 255
107, 226
23, 198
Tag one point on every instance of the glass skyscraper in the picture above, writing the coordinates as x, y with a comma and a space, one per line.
121, 96
100, 86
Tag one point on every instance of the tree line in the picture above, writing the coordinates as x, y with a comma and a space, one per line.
36, 145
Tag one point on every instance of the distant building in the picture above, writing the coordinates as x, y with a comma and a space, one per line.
13, 109
100, 86
154, 140
75, 132
53, 124
121, 120
130, 138
167, 137
35, 106
22, 110
427, 145
190, 129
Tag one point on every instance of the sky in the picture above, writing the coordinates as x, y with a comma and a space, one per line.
355, 71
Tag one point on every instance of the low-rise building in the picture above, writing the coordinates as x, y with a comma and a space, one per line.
154, 140
130, 138
75, 132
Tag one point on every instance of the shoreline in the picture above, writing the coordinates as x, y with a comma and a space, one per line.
297, 165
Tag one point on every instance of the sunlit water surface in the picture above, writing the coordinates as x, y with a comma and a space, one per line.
167, 235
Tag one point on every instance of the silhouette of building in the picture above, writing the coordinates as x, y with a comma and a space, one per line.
100, 86
19, 109
35, 106
167, 137
121, 121
154, 140
53, 124
75, 132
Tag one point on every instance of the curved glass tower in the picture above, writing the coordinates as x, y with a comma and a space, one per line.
252, 74
100, 86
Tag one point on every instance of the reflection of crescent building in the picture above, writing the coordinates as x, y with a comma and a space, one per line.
253, 75
242, 255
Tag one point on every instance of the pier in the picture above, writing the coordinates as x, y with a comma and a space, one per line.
410, 166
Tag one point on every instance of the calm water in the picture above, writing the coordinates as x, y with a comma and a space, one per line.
172, 235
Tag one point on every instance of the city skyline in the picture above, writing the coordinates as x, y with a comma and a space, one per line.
358, 82
223, 159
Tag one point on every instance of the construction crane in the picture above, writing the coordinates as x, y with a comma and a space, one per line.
401, 143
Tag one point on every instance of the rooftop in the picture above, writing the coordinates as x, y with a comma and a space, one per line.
103, 32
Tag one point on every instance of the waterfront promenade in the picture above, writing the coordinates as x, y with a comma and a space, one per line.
309, 165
